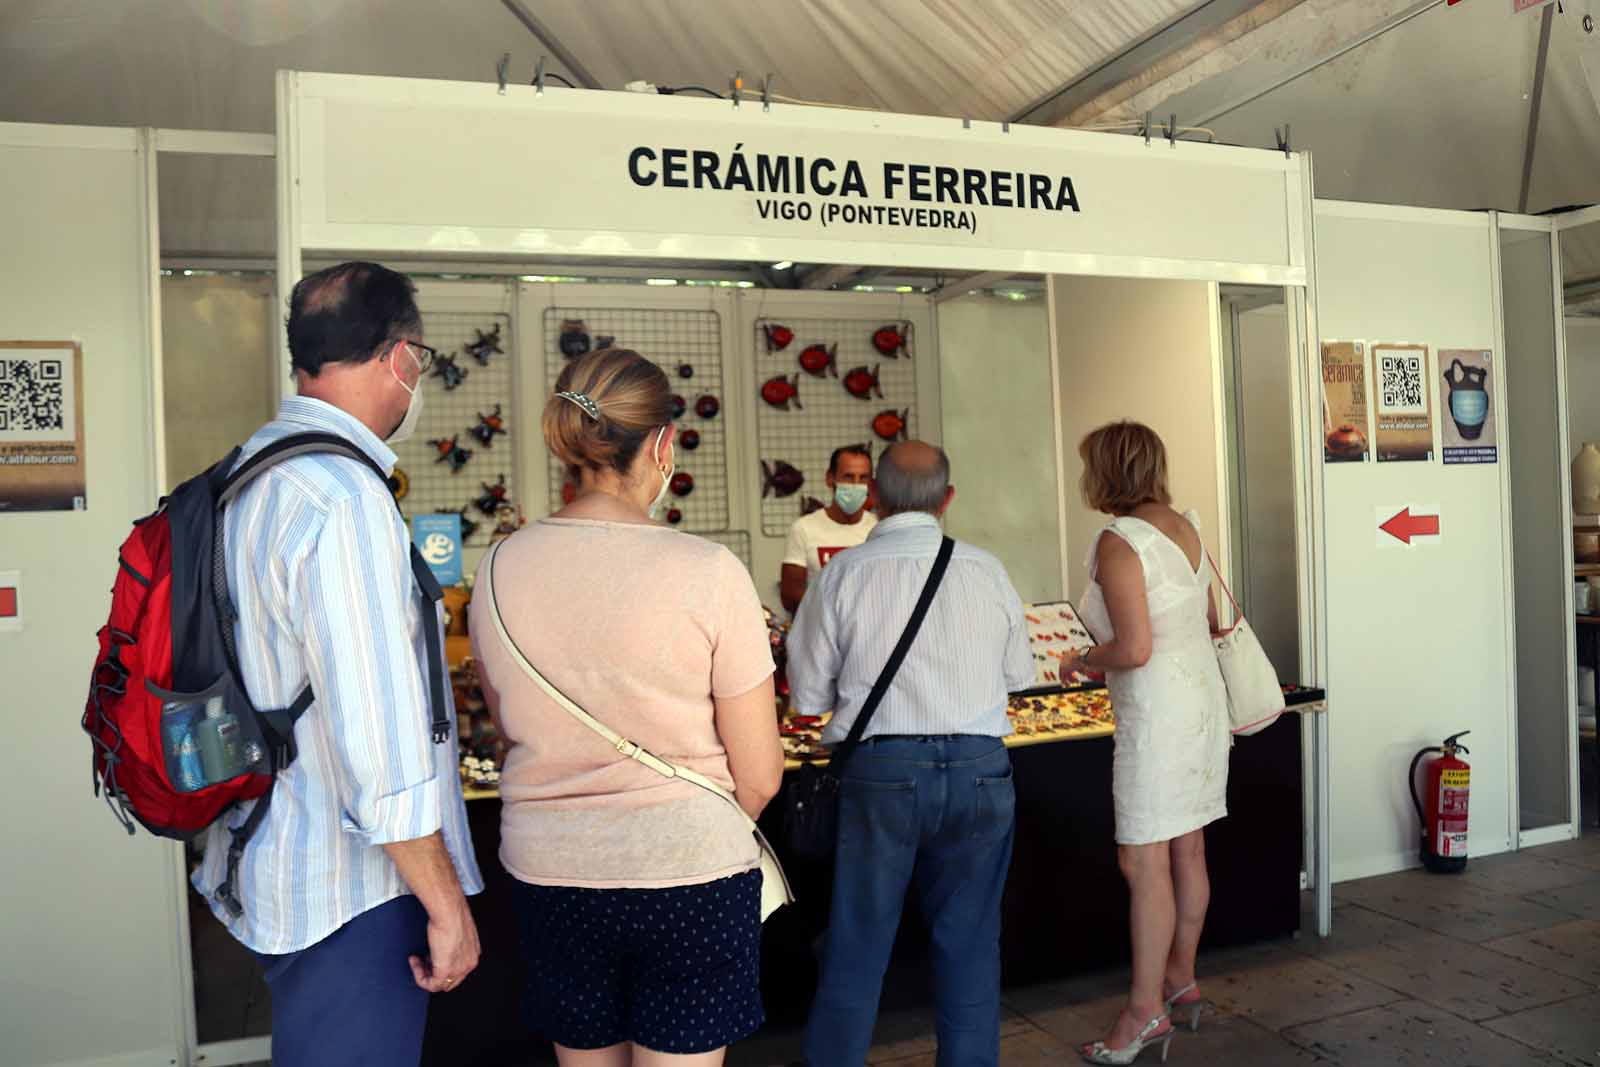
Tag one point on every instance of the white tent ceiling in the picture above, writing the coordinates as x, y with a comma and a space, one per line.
1432, 112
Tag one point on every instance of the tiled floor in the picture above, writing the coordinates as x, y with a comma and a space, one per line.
1493, 968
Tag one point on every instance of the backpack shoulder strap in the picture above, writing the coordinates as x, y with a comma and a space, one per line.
296, 444
429, 593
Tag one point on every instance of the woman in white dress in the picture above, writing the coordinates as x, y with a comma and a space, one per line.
1149, 599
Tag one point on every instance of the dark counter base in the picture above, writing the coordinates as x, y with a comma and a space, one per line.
1066, 907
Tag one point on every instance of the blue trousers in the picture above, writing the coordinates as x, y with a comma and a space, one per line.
350, 999
936, 815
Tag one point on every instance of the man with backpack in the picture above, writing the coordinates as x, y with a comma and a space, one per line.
351, 889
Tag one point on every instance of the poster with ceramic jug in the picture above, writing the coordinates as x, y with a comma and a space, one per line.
1466, 397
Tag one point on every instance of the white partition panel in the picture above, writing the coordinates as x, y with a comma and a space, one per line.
1148, 351
91, 971
999, 428
1417, 636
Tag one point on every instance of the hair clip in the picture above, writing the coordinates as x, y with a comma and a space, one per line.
589, 407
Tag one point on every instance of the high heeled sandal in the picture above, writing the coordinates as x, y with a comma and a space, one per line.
1100, 1052
1181, 999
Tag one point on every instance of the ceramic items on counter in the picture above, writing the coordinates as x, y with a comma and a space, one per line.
1586, 480
455, 606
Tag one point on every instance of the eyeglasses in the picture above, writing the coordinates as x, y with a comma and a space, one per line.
429, 354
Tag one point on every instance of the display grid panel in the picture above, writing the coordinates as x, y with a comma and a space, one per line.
672, 339
829, 416
448, 413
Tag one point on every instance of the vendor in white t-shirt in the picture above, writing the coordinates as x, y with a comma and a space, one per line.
816, 538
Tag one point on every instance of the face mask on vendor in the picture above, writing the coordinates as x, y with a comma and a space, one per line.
850, 498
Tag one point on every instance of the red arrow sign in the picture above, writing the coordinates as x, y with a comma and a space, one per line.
1405, 526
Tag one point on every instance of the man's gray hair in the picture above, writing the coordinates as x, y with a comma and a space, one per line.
919, 490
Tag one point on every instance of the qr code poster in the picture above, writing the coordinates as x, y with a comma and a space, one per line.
1403, 393
41, 426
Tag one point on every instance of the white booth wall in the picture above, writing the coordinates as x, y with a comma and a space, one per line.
90, 923
1417, 637
999, 429
1148, 350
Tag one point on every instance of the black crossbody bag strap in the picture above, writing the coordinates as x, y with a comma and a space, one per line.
858, 729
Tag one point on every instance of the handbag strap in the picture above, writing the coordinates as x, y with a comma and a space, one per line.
858, 728
1238, 616
630, 749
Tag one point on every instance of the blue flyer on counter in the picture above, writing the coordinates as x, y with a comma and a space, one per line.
438, 538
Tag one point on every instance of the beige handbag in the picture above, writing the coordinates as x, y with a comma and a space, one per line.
775, 891
1255, 699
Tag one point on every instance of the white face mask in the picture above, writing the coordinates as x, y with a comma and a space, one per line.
666, 479
408, 424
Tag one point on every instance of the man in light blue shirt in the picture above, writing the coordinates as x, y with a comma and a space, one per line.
927, 798
353, 887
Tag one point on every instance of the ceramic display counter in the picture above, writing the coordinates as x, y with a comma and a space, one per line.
1065, 908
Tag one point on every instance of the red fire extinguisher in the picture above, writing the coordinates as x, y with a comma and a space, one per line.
1447, 781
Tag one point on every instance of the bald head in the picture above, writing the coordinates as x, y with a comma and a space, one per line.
913, 476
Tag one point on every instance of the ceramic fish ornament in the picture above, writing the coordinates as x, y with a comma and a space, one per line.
485, 345
452, 453
445, 367
892, 340
489, 427
682, 483
819, 361
492, 496
781, 392
891, 425
779, 337
574, 340
686, 371
707, 406
780, 479
862, 383
810, 504
679, 406
468, 526
689, 439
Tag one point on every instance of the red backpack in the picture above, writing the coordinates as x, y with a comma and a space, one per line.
176, 738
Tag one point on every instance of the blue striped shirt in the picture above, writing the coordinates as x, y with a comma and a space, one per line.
971, 652
319, 568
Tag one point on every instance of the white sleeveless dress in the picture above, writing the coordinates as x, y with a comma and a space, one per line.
1170, 771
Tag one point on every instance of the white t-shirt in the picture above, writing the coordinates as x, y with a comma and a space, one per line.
814, 539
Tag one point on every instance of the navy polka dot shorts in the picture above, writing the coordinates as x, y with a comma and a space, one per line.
673, 970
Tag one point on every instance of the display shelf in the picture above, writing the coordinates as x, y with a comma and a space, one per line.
1586, 529
1586, 570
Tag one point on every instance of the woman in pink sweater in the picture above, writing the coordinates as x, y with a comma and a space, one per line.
639, 894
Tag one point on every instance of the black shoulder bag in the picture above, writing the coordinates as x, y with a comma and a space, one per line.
811, 801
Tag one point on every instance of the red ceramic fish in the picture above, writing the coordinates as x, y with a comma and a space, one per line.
810, 504
780, 479
707, 407
778, 337
891, 424
891, 340
682, 483
862, 383
781, 392
819, 360
689, 439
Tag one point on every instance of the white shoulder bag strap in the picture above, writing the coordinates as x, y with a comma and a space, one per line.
775, 884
